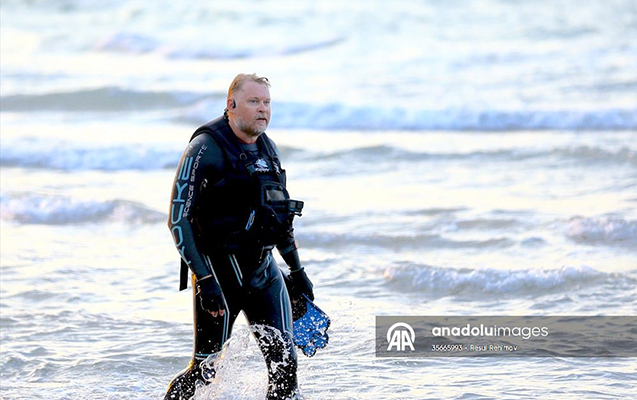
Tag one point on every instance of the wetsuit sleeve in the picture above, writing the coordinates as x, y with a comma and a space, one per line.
201, 160
289, 251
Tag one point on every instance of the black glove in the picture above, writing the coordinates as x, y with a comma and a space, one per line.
210, 296
301, 284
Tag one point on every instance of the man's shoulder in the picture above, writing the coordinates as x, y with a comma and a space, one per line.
205, 148
203, 143
203, 137
209, 128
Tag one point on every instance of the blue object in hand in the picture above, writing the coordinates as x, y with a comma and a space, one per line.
310, 326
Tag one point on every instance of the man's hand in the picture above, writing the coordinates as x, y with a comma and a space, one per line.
210, 297
301, 284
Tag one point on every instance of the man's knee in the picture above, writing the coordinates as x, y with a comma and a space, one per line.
281, 360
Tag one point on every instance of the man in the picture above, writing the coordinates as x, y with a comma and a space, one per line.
229, 209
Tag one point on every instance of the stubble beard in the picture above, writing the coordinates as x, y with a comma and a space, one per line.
250, 129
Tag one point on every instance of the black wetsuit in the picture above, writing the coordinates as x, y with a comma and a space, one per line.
210, 213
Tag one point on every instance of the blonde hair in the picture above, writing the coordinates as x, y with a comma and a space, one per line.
240, 79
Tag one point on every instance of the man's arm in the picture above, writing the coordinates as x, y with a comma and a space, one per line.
201, 157
288, 249
301, 284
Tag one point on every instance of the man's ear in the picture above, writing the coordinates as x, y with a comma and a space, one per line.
230, 104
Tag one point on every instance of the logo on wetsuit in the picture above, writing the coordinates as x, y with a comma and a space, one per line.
261, 166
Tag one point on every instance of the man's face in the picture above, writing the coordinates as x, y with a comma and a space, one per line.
252, 111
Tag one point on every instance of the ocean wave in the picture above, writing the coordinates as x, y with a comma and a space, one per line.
104, 99
392, 153
468, 282
219, 52
416, 241
595, 154
197, 108
63, 155
31, 152
341, 116
128, 42
49, 209
135, 43
360, 158
604, 231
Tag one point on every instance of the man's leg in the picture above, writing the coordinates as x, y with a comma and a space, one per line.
270, 315
210, 335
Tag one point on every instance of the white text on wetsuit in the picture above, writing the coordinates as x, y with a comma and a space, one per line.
177, 209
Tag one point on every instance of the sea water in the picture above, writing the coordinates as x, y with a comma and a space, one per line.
455, 158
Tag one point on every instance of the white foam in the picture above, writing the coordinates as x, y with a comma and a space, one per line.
240, 354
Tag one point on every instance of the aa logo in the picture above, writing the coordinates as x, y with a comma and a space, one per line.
401, 336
